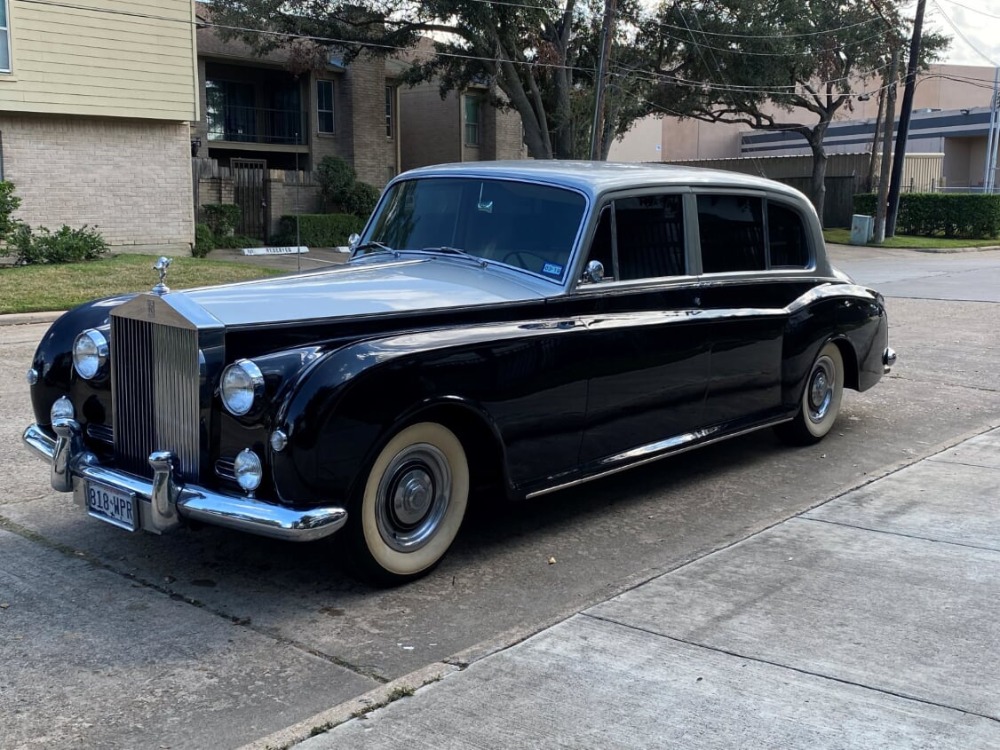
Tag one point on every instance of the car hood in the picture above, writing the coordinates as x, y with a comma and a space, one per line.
370, 288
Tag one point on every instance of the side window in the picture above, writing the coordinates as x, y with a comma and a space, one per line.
731, 229
649, 231
324, 106
4, 39
786, 237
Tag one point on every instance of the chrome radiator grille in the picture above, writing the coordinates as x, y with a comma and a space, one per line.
154, 382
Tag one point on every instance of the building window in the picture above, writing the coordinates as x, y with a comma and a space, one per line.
390, 98
324, 106
472, 106
4, 38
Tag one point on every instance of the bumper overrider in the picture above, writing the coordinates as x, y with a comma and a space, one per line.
162, 503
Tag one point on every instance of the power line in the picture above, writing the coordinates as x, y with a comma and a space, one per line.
964, 38
974, 10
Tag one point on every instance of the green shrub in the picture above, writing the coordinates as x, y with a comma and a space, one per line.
237, 241
361, 200
318, 230
336, 177
9, 203
967, 215
221, 218
65, 245
204, 241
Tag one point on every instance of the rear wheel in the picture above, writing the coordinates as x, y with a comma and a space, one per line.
820, 402
411, 506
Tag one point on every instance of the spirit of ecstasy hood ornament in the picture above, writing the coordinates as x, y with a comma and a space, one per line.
161, 265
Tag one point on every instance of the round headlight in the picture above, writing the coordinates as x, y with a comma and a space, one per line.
90, 352
248, 470
242, 384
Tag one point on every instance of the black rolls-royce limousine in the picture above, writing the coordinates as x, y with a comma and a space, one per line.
523, 325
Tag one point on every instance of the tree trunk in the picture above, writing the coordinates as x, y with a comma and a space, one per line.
869, 183
817, 181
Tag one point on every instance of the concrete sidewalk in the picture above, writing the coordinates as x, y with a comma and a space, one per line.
871, 621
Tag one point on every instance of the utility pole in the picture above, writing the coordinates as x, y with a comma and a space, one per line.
904, 122
607, 37
989, 171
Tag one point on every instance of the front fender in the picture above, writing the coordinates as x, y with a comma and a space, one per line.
519, 379
53, 360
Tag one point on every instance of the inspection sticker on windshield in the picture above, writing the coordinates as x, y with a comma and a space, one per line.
552, 269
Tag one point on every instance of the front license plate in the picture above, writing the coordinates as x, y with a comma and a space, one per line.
111, 505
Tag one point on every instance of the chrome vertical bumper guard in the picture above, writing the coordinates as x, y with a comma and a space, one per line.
165, 501
888, 359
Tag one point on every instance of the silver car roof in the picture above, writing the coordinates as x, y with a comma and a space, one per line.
596, 178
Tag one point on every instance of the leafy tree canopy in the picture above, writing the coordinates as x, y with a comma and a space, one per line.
537, 57
788, 65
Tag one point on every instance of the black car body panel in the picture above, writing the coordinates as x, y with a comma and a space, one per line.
547, 374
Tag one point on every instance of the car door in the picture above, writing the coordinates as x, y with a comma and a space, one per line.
650, 366
748, 276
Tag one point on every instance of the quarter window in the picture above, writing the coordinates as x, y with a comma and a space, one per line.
731, 230
4, 38
787, 244
472, 108
324, 106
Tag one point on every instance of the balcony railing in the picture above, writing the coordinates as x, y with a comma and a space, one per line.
256, 125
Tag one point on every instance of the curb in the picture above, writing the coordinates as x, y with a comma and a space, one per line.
24, 319
373, 699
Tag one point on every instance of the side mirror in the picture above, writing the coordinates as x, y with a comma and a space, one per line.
594, 272
352, 241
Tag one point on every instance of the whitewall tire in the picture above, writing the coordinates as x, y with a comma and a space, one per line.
411, 506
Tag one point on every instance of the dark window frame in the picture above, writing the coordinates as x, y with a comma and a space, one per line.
331, 110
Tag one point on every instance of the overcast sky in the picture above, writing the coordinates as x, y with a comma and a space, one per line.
977, 20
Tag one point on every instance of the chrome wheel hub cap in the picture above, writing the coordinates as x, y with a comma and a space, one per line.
413, 497
821, 388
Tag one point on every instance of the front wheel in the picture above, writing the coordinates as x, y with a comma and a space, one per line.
411, 506
820, 402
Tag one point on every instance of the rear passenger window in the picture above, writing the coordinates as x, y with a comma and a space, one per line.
786, 237
731, 230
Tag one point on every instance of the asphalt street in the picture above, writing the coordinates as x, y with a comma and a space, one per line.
211, 637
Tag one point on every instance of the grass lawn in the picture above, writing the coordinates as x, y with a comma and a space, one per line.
59, 287
843, 237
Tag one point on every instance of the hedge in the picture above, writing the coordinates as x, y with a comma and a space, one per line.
967, 215
318, 230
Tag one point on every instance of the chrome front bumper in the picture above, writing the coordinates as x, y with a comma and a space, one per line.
164, 501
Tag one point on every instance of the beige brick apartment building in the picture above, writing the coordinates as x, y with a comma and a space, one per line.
95, 100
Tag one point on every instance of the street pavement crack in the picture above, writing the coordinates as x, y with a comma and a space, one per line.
244, 622
798, 670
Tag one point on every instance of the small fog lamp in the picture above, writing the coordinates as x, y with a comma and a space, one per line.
62, 409
248, 470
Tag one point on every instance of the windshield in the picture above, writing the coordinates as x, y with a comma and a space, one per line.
523, 225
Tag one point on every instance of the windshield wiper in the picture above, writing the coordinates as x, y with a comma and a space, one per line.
455, 251
367, 247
